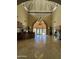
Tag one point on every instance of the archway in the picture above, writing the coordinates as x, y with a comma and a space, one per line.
39, 27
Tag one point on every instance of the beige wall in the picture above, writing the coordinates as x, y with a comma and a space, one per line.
22, 15
48, 20
57, 17
33, 19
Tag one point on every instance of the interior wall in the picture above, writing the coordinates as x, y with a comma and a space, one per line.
56, 17
22, 15
48, 20
33, 19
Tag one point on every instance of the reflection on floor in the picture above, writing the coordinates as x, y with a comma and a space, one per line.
42, 47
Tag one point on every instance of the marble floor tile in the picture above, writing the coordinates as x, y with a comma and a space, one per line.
41, 49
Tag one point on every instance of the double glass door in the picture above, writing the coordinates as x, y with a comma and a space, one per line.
40, 31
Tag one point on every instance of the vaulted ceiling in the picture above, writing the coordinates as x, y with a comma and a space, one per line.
20, 1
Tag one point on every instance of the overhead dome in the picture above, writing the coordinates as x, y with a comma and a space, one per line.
40, 6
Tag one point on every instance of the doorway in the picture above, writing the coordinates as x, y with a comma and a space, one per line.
39, 28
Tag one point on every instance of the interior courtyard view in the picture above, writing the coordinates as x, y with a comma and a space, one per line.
38, 29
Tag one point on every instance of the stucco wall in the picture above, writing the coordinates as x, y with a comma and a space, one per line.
56, 17
22, 15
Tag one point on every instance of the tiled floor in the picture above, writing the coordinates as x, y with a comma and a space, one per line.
48, 48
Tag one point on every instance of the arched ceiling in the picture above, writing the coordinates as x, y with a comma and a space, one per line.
20, 1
